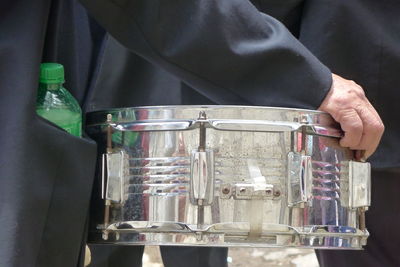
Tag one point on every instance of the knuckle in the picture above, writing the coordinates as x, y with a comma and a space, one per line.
382, 127
350, 98
360, 92
356, 92
356, 127
377, 127
350, 118
355, 84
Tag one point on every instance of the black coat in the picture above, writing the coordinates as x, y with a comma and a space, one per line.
355, 39
225, 52
45, 174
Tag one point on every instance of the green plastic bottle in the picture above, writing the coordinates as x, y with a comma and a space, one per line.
55, 103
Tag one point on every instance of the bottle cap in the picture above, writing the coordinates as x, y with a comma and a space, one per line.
51, 73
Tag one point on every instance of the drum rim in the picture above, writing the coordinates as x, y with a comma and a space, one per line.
99, 117
208, 106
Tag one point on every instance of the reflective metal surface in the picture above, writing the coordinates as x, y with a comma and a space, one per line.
226, 176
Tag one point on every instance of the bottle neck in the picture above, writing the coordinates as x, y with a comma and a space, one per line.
50, 86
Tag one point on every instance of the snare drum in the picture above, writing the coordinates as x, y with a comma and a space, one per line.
226, 176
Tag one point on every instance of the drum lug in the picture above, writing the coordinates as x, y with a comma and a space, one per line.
114, 172
355, 189
202, 177
299, 179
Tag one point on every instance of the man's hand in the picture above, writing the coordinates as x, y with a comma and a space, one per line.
347, 104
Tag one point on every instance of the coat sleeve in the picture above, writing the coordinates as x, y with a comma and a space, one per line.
226, 49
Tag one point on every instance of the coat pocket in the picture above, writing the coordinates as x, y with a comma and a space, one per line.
68, 204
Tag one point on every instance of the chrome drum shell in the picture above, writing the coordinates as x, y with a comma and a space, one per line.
225, 176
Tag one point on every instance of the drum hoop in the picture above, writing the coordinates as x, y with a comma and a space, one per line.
98, 118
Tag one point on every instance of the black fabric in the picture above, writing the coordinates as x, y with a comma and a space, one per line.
45, 174
75, 40
136, 82
116, 256
124, 79
194, 256
131, 256
226, 50
289, 12
384, 242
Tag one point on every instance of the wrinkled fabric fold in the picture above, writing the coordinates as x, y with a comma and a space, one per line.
226, 50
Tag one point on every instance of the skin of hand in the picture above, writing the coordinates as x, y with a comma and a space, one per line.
347, 104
